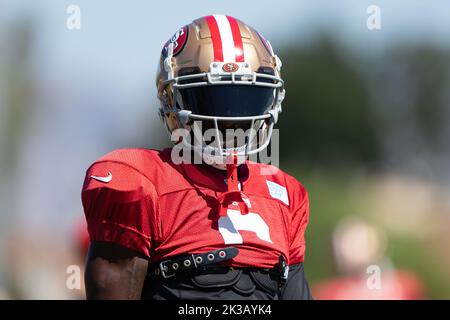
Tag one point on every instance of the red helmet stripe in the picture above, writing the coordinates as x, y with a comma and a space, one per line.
215, 36
237, 38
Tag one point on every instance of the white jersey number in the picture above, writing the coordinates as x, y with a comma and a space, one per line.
230, 225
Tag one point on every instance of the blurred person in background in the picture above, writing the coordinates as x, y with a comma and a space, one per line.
364, 272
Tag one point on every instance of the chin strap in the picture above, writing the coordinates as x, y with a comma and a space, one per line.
233, 194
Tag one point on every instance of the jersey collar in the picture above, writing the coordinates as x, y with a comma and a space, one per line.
207, 176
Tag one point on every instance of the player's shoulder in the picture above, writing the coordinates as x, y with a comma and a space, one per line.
127, 169
279, 181
138, 159
133, 157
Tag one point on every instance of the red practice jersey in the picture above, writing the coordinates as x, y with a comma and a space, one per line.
141, 200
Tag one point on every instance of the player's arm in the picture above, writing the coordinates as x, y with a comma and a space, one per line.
114, 272
120, 209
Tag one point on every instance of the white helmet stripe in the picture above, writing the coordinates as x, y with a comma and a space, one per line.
226, 36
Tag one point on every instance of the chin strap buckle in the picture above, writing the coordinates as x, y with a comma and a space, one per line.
233, 194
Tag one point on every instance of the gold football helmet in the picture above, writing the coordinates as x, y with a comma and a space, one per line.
218, 73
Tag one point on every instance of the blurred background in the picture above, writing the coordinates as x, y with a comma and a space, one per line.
365, 127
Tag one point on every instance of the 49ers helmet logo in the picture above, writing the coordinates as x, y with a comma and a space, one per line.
230, 67
179, 40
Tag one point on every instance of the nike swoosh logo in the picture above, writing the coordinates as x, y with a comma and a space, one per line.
106, 179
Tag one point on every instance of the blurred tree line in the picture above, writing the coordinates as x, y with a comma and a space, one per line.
340, 108
326, 113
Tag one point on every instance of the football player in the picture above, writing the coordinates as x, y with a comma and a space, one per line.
224, 227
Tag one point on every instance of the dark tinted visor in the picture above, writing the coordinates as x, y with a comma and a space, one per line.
228, 100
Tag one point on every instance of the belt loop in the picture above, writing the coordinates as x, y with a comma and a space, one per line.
283, 269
